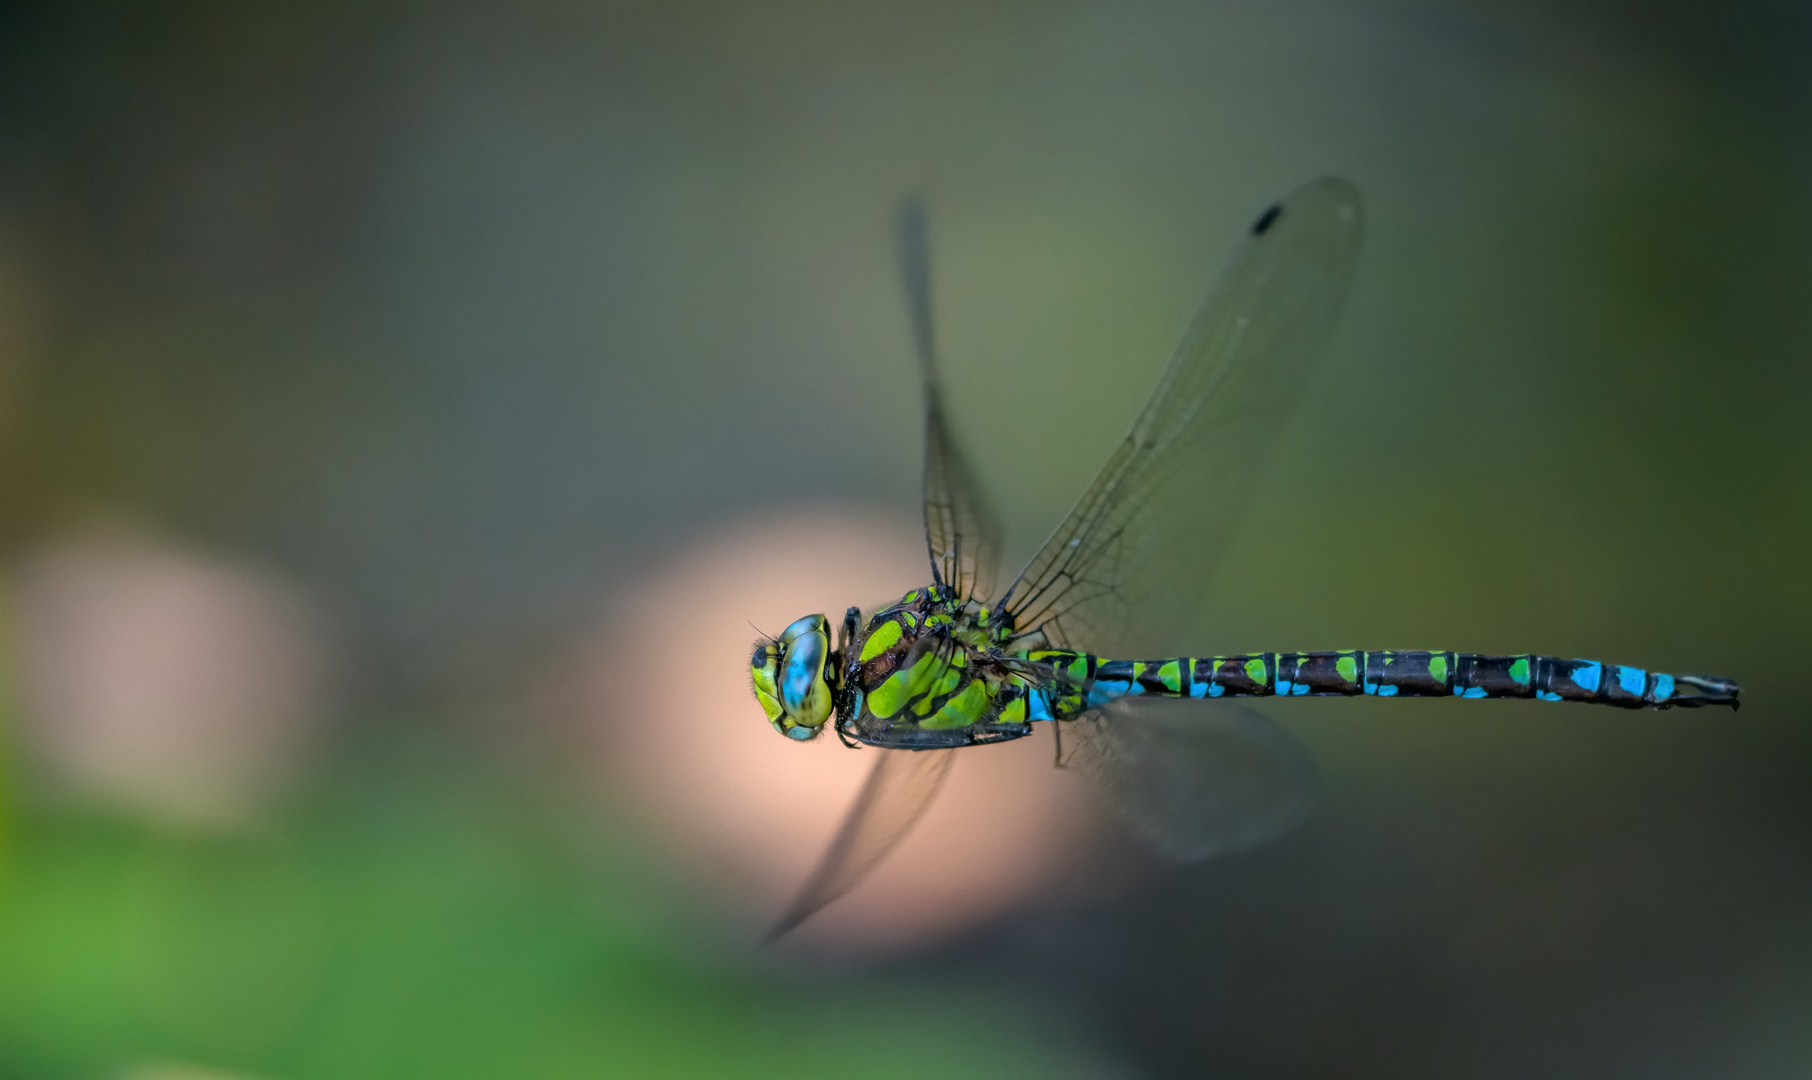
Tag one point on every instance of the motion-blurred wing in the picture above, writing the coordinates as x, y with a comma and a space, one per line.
1146, 533
896, 793
961, 529
1193, 779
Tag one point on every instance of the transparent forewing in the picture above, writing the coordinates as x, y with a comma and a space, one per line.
896, 793
961, 529
1193, 779
1147, 531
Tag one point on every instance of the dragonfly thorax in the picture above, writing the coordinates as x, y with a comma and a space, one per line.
930, 670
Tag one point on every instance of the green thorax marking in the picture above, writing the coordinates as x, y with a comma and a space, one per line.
880, 639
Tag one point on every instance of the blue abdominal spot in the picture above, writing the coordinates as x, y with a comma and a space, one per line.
1103, 692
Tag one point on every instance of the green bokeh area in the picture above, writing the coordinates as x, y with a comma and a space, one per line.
425, 930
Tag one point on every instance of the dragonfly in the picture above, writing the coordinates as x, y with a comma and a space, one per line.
957, 664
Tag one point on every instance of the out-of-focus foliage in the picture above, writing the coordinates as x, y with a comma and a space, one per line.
415, 926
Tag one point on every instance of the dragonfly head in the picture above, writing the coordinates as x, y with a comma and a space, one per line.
792, 676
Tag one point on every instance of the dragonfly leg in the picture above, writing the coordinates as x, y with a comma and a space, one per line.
847, 632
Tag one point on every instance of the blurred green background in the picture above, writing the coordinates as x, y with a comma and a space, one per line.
446, 324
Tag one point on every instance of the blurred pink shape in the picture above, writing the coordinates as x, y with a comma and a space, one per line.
163, 680
666, 688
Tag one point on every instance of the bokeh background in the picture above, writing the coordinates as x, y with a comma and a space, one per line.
406, 409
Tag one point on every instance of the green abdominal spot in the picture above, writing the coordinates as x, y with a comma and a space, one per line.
1347, 667
1169, 674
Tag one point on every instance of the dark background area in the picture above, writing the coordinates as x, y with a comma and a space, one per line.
462, 318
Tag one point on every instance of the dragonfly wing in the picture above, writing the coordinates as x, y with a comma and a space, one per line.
962, 531
896, 793
1194, 779
1155, 520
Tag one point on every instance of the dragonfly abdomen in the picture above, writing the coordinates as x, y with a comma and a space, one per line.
1090, 682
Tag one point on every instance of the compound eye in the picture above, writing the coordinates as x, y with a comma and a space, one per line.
803, 692
764, 668
811, 624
